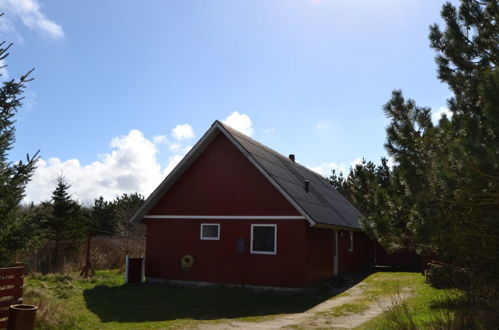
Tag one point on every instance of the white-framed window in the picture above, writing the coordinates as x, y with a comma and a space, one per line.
210, 231
263, 239
351, 242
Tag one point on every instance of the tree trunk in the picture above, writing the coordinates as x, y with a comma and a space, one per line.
55, 254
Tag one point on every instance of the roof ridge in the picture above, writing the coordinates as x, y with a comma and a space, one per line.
294, 169
251, 140
332, 209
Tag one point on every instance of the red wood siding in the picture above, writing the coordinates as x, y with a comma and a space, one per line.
360, 258
405, 259
319, 255
218, 261
221, 181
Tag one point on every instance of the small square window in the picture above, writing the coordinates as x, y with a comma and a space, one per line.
210, 231
264, 239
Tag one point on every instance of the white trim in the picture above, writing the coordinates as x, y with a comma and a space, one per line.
265, 174
227, 217
210, 238
191, 156
177, 171
275, 238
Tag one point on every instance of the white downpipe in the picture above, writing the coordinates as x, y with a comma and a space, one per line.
143, 274
336, 254
126, 269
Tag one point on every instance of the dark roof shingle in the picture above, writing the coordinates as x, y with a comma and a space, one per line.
323, 204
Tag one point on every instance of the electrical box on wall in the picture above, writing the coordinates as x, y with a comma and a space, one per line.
241, 245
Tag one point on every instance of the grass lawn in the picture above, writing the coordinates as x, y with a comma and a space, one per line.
368, 293
104, 302
426, 308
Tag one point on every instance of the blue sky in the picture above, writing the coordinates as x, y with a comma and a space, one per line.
114, 79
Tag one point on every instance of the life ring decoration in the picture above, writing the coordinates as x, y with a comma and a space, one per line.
187, 262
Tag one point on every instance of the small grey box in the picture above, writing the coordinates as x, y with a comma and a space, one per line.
241, 245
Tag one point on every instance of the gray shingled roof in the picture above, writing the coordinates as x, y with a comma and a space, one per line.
322, 205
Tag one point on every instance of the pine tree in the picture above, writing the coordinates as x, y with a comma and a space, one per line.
337, 180
467, 49
14, 225
404, 204
443, 196
467, 173
104, 216
439, 170
65, 223
113, 216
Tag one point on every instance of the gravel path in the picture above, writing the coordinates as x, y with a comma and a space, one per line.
312, 318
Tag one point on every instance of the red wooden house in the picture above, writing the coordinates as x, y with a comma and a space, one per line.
235, 211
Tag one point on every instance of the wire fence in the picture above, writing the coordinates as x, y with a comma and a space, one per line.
107, 251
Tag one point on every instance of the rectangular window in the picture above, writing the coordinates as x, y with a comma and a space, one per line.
264, 239
351, 242
210, 231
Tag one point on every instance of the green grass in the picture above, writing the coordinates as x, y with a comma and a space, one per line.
104, 302
424, 309
391, 286
349, 308
374, 287
385, 283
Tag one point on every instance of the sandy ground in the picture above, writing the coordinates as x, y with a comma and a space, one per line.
313, 319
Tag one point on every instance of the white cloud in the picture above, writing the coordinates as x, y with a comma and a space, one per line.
183, 132
175, 159
325, 169
30, 13
323, 125
4, 74
5, 25
175, 147
172, 162
356, 161
436, 115
390, 162
241, 122
269, 130
133, 165
160, 139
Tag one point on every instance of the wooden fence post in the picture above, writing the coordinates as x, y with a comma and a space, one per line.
87, 270
11, 291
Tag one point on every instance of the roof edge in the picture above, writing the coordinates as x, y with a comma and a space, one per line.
328, 226
174, 174
191, 156
265, 174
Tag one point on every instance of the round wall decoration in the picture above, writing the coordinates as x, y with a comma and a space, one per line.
187, 261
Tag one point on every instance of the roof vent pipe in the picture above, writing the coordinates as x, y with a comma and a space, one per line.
292, 157
307, 185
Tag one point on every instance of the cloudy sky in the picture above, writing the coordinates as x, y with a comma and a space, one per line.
123, 88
